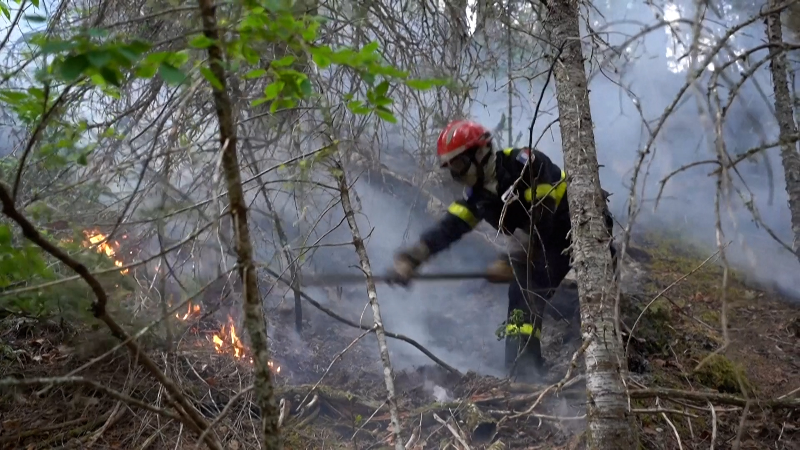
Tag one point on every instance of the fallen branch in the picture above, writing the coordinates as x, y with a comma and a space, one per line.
453, 431
704, 397
660, 410
10, 382
336, 358
193, 418
225, 411
481, 426
41, 430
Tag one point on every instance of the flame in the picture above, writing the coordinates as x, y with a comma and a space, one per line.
98, 240
192, 310
226, 340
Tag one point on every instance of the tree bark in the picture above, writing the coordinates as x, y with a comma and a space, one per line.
372, 294
785, 115
610, 425
254, 321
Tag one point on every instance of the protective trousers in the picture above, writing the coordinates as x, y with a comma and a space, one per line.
538, 271
528, 294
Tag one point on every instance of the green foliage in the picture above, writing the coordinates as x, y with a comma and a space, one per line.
274, 22
23, 264
102, 61
19, 261
96, 57
724, 375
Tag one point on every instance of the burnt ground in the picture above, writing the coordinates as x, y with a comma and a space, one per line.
346, 408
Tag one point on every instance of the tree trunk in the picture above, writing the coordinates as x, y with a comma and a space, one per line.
785, 115
610, 425
372, 294
254, 320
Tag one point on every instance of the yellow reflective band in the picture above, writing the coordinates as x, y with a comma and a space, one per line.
463, 213
526, 330
507, 151
545, 189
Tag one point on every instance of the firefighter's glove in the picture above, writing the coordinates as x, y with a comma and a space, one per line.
406, 262
500, 271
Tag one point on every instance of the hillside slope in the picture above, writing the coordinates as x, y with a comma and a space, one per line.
334, 398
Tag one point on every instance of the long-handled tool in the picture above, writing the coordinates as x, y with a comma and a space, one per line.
347, 278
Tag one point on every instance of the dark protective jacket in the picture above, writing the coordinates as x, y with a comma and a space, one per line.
543, 183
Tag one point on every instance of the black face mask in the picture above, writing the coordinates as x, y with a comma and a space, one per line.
460, 166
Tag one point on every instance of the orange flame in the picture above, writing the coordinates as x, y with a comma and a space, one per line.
227, 340
98, 240
192, 310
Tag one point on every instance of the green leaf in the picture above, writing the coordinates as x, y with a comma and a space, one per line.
255, 74
157, 57
286, 61
99, 58
321, 60
171, 74
382, 89
111, 76
5, 234
358, 107
305, 87
138, 47
250, 55
59, 46
178, 59
10, 96
422, 85
386, 115
282, 103
73, 67
82, 160
273, 89
370, 48
368, 78
344, 56
209, 75
310, 33
259, 101
128, 57
146, 71
201, 41
35, 18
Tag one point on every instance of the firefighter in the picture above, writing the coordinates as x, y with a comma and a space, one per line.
528, 192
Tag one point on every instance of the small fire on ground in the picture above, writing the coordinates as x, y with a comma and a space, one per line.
102, 245
226, 340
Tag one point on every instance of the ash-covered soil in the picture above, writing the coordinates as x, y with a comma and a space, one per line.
330, 379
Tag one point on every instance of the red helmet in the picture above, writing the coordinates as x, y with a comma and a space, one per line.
459, 136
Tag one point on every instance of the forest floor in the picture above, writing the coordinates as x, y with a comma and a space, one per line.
334, 398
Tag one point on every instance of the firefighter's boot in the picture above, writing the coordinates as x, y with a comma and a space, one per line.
523, 352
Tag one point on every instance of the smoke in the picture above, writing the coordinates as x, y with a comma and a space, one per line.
650, 82
457, 320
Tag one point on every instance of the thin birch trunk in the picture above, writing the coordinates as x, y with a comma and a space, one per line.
785, 116
610, 424
254, 321
372, 294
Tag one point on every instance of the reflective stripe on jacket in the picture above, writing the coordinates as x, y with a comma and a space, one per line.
541, 184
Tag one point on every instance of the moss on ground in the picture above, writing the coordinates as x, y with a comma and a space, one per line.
673, 258
724, 375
